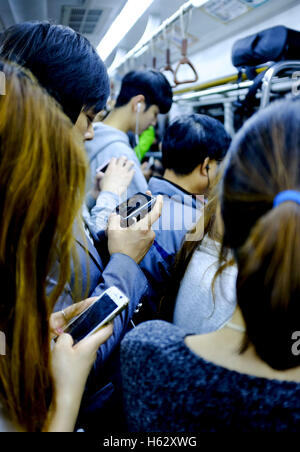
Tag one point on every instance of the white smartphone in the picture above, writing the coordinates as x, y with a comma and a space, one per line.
101, 312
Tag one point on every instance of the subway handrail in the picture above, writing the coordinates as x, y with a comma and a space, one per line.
269, 76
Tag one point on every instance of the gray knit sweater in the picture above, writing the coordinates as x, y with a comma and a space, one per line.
168, 388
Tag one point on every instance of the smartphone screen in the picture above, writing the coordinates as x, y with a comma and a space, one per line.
96, 315
102, 168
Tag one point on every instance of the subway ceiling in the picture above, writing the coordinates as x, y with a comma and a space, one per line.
93, 18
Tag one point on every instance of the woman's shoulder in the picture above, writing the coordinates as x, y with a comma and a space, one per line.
154, 333
157, 347
166, 343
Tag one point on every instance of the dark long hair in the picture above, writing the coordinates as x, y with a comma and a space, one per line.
264, 161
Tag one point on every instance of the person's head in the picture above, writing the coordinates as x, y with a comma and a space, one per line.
144, 94
42, 180
65, 64
264, 161
192, 147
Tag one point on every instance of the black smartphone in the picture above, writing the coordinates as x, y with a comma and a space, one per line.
102, 311
135, 208
103, 168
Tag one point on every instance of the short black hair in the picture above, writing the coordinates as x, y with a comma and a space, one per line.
190, 139
63, 61
153, 85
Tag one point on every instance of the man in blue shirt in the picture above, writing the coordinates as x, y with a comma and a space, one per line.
192, 148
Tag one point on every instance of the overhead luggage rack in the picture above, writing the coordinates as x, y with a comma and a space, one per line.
279, 80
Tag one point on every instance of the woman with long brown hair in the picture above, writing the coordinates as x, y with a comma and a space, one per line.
246, 376
42, 177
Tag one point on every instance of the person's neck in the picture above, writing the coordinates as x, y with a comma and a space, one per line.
184, 182
119, 119
237, 318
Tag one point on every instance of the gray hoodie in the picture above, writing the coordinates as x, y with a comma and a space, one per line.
110, 142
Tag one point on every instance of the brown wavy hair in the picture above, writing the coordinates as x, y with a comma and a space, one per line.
264, 161
42, 176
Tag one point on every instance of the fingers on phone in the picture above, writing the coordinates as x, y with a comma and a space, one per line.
126, 164
153, 215
65, 340
94, 341
77, 308
130, 165
114, 222
122, 160
112, 162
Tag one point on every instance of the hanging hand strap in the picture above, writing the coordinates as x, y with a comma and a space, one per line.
168, 67
152, 47
184, 61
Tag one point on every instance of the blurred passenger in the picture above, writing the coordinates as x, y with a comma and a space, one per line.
143, 95
65, 64
199, 297
174, 382
42, 179
69, 68
192, 148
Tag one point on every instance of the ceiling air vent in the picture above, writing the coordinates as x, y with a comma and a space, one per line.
80, 19
91, 21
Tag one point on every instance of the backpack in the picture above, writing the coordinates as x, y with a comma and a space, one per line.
274, 44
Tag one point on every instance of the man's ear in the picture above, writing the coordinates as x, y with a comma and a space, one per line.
137, 103
204, 167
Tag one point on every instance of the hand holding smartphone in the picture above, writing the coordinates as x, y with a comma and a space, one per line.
134, 241
102, 311
135, 208
103, 168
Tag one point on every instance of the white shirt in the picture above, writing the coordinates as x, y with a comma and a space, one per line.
196, 311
